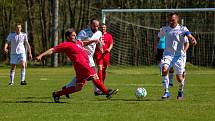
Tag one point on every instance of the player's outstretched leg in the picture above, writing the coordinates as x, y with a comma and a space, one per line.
56, 95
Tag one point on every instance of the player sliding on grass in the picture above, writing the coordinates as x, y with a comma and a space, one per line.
79, 56
174, 55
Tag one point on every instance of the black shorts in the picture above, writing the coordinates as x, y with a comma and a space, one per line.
159, 54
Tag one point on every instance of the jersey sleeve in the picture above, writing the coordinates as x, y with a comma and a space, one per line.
9, 38
60, 48
185, 31
186, 40
26, 37
82, 35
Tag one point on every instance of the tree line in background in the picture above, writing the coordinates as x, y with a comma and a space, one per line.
72, 13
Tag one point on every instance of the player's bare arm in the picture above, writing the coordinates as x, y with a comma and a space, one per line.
48, 52
193, 40
6, 48
109, 49
186, 46
29, 50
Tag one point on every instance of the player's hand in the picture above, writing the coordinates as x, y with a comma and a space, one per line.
38, 58
193, 42
107, 51
30, 56
6, 50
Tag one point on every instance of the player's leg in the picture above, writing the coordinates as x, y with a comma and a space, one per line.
13, 62
180, 75
105, 65
22, 59
100, 74
12, 74
101, 87
72, 89
171, 75
166, 63
70, 84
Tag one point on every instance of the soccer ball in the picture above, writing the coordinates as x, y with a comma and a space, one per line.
140, 92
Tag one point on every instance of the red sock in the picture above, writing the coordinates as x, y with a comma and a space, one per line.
68, 90
101, 86
100, 75
104, 75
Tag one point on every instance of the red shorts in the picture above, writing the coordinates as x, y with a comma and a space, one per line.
83, 72
103, 59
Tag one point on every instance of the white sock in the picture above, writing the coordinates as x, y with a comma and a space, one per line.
171, 75
165, 82
181, 86
23, 74
71, 83
12, 74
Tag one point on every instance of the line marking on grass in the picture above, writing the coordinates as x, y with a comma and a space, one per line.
43, 79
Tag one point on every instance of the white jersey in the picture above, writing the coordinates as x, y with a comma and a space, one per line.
88, 34
175, 39
17, 42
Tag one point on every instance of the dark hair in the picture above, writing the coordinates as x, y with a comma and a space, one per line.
69, 32
18, 24
173, 13
92, 20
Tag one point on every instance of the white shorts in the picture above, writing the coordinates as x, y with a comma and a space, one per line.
15, 58
177, 62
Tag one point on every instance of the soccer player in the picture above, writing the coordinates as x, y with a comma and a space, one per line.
90, 33
102, 59
77, 54
174, 55
17, 40
159, 46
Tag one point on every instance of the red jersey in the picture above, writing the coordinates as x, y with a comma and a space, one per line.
78, 55
106, 40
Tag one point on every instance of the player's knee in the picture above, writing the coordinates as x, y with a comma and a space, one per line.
179, 77
79, 86
164, 70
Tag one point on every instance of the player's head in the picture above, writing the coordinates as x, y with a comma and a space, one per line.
18, 27
103, 28
70, 34
173, 19
94, 25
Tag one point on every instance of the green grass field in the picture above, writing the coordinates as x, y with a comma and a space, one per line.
33, 102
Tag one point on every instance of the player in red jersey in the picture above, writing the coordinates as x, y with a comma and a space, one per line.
103, 56
78, 55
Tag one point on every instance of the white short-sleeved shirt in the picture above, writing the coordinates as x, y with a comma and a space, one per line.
175, 39
88, 34
17, 42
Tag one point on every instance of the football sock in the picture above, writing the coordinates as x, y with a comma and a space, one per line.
23, 74
100, 75
181, 86
12, 73
104, 75
101, 87
165, 82
171, 75
68, 90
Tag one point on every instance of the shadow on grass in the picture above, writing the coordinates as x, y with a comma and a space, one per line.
131, 100
30, 101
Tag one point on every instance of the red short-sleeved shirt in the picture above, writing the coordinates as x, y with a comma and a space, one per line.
106, 42
78, 55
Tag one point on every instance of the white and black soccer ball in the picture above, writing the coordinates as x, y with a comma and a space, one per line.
140, 92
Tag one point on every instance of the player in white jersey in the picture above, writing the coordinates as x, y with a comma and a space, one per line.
90, 33
174, 55
17, 52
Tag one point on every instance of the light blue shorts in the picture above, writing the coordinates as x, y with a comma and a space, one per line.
16, 58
